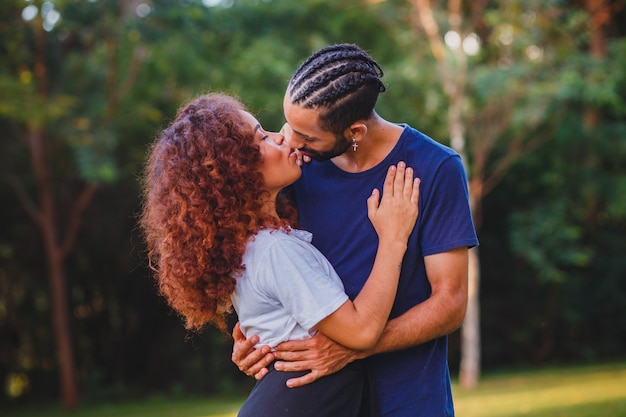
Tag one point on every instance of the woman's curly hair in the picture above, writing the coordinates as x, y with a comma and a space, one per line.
203, 199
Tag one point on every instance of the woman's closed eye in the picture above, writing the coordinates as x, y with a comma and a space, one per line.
276, 141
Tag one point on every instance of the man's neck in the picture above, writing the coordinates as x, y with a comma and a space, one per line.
380, 139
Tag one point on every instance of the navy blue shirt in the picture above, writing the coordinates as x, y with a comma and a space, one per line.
332, 205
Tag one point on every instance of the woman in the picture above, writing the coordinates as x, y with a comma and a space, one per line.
220, 235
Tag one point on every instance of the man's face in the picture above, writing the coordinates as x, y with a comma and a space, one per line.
302, 132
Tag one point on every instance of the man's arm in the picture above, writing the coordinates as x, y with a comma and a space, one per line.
440, 314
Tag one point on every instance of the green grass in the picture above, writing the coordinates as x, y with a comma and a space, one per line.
591, 391
153, 407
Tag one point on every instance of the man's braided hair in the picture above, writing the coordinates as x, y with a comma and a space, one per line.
342, 81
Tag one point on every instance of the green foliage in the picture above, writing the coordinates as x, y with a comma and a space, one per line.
566, 223
585, 180
549, 241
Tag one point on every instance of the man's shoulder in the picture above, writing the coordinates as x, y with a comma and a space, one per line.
421, 148
414, 137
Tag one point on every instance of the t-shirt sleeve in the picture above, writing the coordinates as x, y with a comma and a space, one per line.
446, 218
302, 280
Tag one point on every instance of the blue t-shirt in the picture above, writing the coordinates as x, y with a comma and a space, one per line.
332, 205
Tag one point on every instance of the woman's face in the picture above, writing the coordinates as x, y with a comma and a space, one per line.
279, 165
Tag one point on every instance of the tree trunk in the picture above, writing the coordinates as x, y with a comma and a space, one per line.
61, 324
46, 219
600, 12
59, 243
470, 331
453, 78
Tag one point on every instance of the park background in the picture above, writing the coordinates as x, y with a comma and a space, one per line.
531, 93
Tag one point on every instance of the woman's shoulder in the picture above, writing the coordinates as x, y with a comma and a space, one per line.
283, 235
272, 249
270, 242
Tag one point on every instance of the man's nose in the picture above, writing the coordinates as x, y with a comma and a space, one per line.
290, 138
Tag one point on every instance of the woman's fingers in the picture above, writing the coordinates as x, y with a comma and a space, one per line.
400, 185
399, 180
415, 194
389, 180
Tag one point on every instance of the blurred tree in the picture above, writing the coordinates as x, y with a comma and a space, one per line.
508, 93
573, 235
60, 119
453, 70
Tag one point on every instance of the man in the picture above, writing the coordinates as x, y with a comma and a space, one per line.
329, 109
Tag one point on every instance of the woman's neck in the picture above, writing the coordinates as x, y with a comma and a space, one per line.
269, 206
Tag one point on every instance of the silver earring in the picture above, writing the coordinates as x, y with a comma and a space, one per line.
354, 144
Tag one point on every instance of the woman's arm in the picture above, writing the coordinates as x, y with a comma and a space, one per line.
441, 314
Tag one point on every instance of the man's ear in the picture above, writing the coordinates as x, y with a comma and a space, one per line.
356, 130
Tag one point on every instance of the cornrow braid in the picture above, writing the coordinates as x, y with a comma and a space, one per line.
342, 80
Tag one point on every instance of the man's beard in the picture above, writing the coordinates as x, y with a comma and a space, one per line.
340, 147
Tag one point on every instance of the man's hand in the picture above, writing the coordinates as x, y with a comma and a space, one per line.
319, 354
250, 361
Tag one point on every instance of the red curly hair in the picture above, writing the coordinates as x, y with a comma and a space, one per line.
203, 199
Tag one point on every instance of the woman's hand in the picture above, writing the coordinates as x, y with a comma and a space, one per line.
394, 216
250, 361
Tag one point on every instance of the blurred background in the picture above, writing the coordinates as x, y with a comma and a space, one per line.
531, 93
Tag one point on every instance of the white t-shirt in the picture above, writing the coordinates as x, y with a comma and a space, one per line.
288, 287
